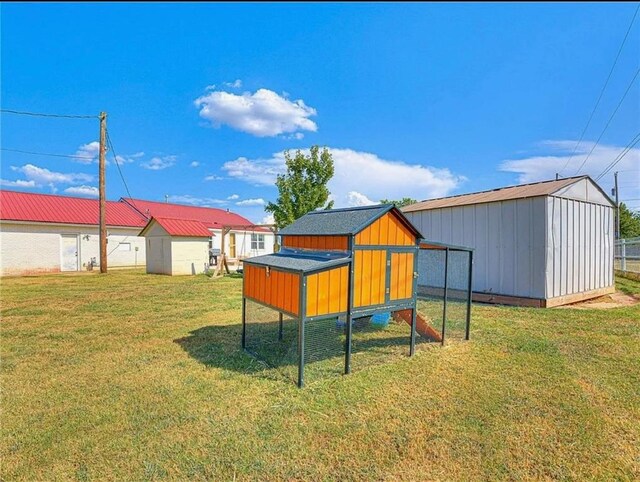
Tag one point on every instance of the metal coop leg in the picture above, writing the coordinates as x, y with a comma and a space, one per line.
301, 353
244, 322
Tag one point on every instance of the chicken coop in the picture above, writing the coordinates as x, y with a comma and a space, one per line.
344, 280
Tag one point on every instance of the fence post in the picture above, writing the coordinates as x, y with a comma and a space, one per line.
623, 254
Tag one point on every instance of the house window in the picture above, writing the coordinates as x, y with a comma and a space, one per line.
124, 247
257, 241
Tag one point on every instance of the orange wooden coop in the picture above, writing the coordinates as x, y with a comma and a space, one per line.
343, 264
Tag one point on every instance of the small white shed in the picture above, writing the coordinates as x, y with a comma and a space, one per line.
543, 244
176, 246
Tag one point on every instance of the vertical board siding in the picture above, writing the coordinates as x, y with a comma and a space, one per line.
327, 292
508, 238
325, 243
539, 247
370, 277
580, 240
279, 289
401, 276
388, 230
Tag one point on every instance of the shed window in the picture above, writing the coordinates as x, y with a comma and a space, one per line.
124, 247
257, 241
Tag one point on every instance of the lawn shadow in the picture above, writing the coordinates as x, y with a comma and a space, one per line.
272, 349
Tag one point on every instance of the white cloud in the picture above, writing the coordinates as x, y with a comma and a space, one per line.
234, 85
358, 199
194, 164
359, 177
233, 197
251, 202
88, 153
558, 153
212, 177
18, 183
263, 113
41, 176
197, 201
260, 172
159, 163
90, 191
210, 87
268, 219
129, 158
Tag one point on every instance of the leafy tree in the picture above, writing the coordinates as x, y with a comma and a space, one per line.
629, 222
303, 188
405, 201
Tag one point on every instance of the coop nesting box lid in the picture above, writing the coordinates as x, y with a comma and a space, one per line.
301, 261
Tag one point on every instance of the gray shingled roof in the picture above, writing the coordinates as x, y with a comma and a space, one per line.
335, 221
298, 261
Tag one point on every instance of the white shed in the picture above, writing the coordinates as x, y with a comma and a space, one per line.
176, 246
542, 244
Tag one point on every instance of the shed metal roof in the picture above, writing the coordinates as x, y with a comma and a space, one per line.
49, 208
543, 188
180, 227
303, 262
345, 221
211, 217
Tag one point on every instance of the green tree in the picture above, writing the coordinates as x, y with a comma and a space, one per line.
629, 222
303, 188
405, 201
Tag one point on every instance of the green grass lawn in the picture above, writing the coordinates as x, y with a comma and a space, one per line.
130, 376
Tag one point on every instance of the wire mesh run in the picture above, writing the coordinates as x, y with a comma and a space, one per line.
272, 338
444, 290
377, 340
324, 348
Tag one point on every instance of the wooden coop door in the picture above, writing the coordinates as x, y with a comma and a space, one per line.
400, 280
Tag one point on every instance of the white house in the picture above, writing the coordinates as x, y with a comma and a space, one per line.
176, 246
541, 244
242, 239
43, 233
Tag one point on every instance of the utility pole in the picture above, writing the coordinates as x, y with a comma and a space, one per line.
101, 182
615, 180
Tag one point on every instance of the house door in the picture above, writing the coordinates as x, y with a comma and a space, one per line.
232, 245
400, 279
69, 261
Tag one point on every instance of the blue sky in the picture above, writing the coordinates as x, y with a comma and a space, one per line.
419, 100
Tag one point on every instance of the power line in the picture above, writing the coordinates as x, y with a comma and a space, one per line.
624, 40
39, 114
115, 159
609, 121
620, 156
86, 158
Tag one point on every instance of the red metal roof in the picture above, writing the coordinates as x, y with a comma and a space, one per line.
49, 208
211, 217
181, 227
